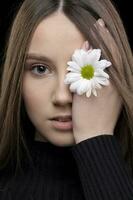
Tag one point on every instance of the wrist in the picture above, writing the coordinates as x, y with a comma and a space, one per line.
81, 137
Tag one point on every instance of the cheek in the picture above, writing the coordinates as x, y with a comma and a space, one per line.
36, 93
32, 102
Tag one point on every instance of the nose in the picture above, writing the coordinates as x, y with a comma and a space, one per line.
61, 95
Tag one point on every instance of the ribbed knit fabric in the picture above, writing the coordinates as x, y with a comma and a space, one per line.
94, 169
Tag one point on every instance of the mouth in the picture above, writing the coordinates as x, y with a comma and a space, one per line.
62, 118
63, 123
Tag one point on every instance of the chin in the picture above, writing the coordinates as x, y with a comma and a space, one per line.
62, 142
57, 139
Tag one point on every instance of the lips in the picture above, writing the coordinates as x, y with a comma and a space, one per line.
62, 123
62, 118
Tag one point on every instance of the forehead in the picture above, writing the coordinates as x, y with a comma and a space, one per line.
56, 35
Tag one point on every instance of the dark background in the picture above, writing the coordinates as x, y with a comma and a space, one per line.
7, 13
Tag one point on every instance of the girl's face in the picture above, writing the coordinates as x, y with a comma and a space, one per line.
44, 92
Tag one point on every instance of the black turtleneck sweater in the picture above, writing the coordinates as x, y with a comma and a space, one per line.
94, 169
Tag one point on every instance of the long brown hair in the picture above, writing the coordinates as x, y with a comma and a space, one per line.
16, 130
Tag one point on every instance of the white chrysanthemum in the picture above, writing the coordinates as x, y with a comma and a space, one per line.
86, 72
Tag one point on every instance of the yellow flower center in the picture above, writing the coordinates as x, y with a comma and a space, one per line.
87, 71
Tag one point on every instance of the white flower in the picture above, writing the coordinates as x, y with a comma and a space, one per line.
86, 72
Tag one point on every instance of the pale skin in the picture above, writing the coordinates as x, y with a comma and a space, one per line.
46, 96
98, 115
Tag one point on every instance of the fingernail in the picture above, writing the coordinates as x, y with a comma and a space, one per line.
101, 22
87, 45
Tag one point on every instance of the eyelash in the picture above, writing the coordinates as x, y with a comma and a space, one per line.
36, 66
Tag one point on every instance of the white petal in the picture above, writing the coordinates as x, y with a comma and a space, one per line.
104, 74
100, 73
76, 57
88, 85
96, 83
72, 74
71, 80
83, 52
73, 66
105, 82
73, 87
93, 88
83, 87
100, 78
71, 77
84, 55
70, 69
94, 92
85, 60
88, 93
93, 83
108, 63
93, 56
102, 64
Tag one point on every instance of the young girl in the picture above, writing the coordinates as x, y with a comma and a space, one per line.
62, 138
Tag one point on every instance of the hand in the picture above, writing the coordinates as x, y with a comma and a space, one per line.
96, 115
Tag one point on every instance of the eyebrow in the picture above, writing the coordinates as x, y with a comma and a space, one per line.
36, 56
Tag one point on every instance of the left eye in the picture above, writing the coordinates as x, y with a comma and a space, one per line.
40, 69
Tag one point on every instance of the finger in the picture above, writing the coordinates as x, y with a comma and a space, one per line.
104, 32
86, 46
109, 40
